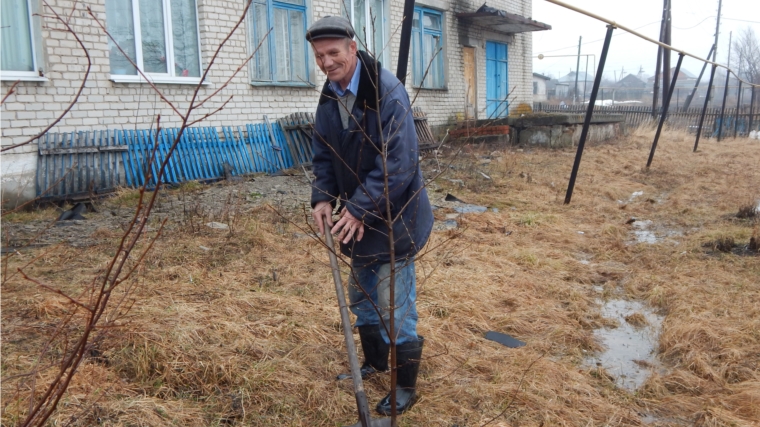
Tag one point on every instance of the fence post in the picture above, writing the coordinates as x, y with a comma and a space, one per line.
738, 105
665, 107
704, 109
589, 112
723, 106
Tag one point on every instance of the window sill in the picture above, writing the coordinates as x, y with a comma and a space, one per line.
193, 81
435, 89
12, 78
283, 84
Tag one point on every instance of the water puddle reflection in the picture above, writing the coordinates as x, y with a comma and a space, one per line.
630, 353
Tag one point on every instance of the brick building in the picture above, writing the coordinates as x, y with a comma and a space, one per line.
483, 68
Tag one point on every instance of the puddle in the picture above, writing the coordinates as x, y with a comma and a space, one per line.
468, 208
630, 353
644, 231
448, 224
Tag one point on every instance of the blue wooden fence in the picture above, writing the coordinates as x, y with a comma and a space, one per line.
82, 163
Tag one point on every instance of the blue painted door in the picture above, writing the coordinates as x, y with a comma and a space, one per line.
496, 80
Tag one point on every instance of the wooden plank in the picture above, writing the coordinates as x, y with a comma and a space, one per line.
275, 144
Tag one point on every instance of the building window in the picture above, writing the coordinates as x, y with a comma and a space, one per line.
535, 88
18, 57
427, 48
368, 19
160, 36
282, 56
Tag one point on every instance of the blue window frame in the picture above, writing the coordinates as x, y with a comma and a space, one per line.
282, 57
496, 80
427, 48
369, 20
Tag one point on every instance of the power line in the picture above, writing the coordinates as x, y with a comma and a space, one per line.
742, 20
602, 39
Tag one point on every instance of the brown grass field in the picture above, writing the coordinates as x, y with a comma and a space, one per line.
241, 326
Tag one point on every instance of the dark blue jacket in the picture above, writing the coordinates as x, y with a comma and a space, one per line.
348, 165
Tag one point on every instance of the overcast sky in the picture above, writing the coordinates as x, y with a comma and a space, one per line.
693, 31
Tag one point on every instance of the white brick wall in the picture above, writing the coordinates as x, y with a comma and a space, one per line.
105, 104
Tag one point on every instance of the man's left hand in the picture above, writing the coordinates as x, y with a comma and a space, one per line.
348, 226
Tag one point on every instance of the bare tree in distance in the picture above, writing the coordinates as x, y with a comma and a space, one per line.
746, 60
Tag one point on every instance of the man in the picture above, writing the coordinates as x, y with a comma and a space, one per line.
365, 158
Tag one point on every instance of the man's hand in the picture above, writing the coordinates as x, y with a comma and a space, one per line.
348, 225
322, 213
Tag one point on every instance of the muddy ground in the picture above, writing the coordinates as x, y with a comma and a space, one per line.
639, 302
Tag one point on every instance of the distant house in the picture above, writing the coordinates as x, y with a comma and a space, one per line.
585, 82
556, 90
539, 87
685, 79
629, 87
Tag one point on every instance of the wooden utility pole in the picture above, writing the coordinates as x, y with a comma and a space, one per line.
656, 88
666, 53
717, 32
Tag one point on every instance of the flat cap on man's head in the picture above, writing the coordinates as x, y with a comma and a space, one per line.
330, 27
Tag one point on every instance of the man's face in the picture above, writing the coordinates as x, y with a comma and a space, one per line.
335, 57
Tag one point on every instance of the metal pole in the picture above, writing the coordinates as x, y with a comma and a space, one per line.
665, 105
738, 105
589, 112
406, 37
751, 110
725, 91
704, 109
585, 78
577, 70
689, 97
723, 107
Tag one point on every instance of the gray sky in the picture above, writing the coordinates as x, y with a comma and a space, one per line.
693, 31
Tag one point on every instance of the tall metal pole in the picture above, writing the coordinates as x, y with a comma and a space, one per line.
725, 91
406, 38
577, 70
665, 106
751, 110
738, 105
589, 112
690, 97
704, 109
585, 78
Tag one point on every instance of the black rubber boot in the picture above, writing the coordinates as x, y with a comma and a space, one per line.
408, 357
375, 352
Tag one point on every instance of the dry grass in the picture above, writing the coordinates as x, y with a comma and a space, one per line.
246, 331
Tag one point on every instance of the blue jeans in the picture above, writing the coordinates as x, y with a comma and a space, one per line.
373, 281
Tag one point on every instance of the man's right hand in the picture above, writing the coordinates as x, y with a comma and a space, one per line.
322, 214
